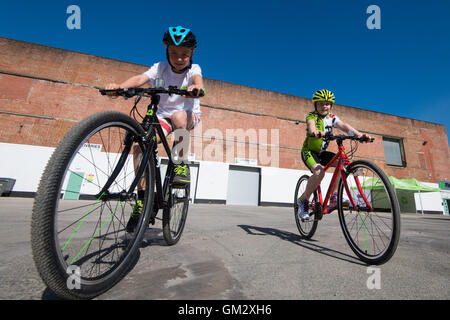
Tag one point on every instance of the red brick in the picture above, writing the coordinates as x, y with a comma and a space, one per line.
70, 96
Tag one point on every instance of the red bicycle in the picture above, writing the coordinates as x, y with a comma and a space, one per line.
369, 212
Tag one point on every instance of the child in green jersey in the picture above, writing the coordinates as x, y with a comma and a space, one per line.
314, 153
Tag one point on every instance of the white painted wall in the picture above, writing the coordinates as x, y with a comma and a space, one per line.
432, 201
212, 180
278, 185
24, 163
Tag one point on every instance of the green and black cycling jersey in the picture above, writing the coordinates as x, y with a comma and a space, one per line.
313, 147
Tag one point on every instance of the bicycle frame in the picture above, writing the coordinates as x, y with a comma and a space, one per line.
342, 161
151, 125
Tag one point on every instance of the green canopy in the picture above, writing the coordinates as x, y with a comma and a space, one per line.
404, 188
399, 184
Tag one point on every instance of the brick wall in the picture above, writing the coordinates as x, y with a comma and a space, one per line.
44, 91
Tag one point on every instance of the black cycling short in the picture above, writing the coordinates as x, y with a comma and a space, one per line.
310, 158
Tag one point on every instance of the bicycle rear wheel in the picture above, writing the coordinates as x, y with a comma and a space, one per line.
79, 242
307, 228
175, 215
372, 228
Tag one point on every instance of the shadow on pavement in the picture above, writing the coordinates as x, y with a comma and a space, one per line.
152, 237
48, 294
296, 239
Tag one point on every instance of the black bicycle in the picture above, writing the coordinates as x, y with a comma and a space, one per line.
104, 169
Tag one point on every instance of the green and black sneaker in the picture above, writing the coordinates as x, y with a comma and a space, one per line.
134, 217
182, 174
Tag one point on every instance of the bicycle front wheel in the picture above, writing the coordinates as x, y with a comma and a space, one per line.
80, 244
369, 213
307, 228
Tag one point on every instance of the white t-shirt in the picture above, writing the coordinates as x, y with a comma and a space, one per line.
169, 104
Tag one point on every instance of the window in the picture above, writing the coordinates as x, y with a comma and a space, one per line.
393, 151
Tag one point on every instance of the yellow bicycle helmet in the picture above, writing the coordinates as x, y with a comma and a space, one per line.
323, 95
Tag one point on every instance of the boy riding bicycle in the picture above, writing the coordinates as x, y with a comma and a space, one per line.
314, 154
174, 112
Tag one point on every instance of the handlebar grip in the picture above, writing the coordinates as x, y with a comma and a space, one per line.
366, 139
112, 92
196, 93
127, 92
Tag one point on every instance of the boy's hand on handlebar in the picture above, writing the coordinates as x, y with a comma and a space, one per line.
112, 86
195, 91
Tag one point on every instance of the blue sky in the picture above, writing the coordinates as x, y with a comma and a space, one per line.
288, 46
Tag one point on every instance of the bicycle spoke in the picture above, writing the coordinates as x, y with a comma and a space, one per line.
90, 239
82, 221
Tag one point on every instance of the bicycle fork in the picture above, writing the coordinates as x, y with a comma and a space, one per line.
104, 194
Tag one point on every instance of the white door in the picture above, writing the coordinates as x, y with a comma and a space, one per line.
243, 186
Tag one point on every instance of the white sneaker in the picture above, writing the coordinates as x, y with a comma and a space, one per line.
303, 207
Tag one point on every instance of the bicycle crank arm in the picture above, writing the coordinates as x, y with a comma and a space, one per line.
119, 196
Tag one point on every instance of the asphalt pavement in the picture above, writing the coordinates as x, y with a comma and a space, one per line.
248, 253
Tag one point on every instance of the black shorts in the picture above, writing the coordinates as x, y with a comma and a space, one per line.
310, 158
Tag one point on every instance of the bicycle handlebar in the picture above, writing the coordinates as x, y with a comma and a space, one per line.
131, 92
329, 137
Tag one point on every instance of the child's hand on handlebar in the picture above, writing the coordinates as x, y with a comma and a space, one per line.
112, 86
318, 134
195, 91
365, 138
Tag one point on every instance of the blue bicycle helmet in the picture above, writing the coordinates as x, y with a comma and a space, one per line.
179, 36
